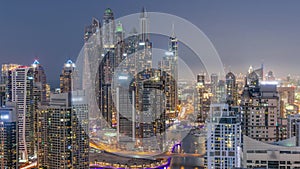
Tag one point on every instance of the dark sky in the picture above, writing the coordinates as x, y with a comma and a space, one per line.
243, 32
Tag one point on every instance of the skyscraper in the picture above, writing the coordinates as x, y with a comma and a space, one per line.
169, 65
144, 58
2, 94
223, 144
144, 25
292, 125
108, 29
231, 89
66, 142
151, 116
9, 137
40, 81
92, 30
260, 107
66, 76
202, 98
214, 80
107, 67
6, 80
125, 105
22, 94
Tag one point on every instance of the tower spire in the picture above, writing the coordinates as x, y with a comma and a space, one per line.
144, 25
173, 30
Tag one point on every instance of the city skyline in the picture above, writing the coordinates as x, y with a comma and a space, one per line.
150, 85
241, 37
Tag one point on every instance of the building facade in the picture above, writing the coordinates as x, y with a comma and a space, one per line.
257, 154
223, 141
22, 94
66, 144
260, 108
9, 137
67, 74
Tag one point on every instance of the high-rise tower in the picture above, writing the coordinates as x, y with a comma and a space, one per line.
260, 107
223, 145
66, 76
22, 94
108, 29
169, 64
6, 80
144, 25
231, 89
66, 144
9, 137
40, 81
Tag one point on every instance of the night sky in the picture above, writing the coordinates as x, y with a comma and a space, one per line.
243, 32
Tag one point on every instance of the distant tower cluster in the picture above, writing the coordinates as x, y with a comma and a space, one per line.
27, 87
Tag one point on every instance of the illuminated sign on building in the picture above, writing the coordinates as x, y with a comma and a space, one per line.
4, 115
123, 77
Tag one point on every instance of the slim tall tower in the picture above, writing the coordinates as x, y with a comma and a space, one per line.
107, 67
108, 29
169, 65
144, 25
214, 80
22, 94
231, 89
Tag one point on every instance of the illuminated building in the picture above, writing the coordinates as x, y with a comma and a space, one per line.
169, 64
293, 125
221, 92
107, 68
298, 134
260, 107
144, 21
9, 137
125, 104
2, 94
152, 119
257, 154
287, 98
66, 76
223, 143
66, 144
214, 79
92, 30
259, 72
120, 45
203, 98
6, 79
231, 89
22, 80
27, 87
40, 81
270, 76
144, 54
108, 29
